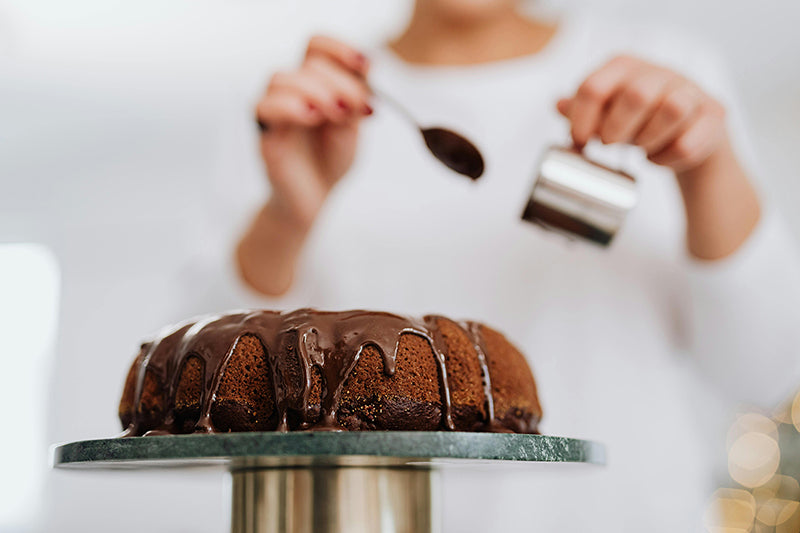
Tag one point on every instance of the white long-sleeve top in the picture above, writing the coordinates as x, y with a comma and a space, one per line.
636, 346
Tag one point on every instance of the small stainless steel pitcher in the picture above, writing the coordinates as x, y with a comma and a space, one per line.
580, 198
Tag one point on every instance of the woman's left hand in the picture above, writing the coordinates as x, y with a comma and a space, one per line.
635, 102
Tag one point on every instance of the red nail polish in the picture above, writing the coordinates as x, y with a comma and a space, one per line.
342, 105
367, 110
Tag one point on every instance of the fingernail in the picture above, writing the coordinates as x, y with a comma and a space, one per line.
342, 105
367, 110
361, 59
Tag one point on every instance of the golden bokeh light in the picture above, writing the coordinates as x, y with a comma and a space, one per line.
783, 413
784, 487
730, 511
770, 501
765, 492
751, 423
777, 511
790, 525
753, 459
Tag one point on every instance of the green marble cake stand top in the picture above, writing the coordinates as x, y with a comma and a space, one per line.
271, 449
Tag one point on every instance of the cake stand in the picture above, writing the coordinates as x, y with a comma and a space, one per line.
329, 482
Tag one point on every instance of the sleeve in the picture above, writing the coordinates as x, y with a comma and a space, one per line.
744, 310
745, 315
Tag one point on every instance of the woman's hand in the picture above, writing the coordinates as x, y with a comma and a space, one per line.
631, 101
309, 119
679, 126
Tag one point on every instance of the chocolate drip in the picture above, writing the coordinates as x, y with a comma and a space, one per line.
331, 342
474, 331
439, 348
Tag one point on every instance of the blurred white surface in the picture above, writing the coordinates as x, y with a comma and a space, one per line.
29, 289
99, 96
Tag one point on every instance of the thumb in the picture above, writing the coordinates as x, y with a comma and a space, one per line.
564, 106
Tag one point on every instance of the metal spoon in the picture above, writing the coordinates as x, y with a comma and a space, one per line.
449, 147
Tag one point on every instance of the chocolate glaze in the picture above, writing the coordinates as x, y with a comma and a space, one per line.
330, 341
454, 151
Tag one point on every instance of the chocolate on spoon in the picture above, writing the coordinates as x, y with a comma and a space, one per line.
452, 149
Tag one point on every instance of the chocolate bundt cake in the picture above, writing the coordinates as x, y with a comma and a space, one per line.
306, 369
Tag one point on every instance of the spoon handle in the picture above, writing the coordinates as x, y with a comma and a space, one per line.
395, 104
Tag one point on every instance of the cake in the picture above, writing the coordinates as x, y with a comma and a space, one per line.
307, 369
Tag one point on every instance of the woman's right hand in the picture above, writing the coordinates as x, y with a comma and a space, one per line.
309, 119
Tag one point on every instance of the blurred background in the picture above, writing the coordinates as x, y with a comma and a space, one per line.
99, 96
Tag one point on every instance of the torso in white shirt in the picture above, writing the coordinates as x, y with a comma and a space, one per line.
602, 328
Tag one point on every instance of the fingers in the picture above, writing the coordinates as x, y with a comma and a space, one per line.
351, 92
564, 106
286, 109
676, 109
338, 52
313, 91
694, 145
632, 101
329, 87
633, 104
589, 103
